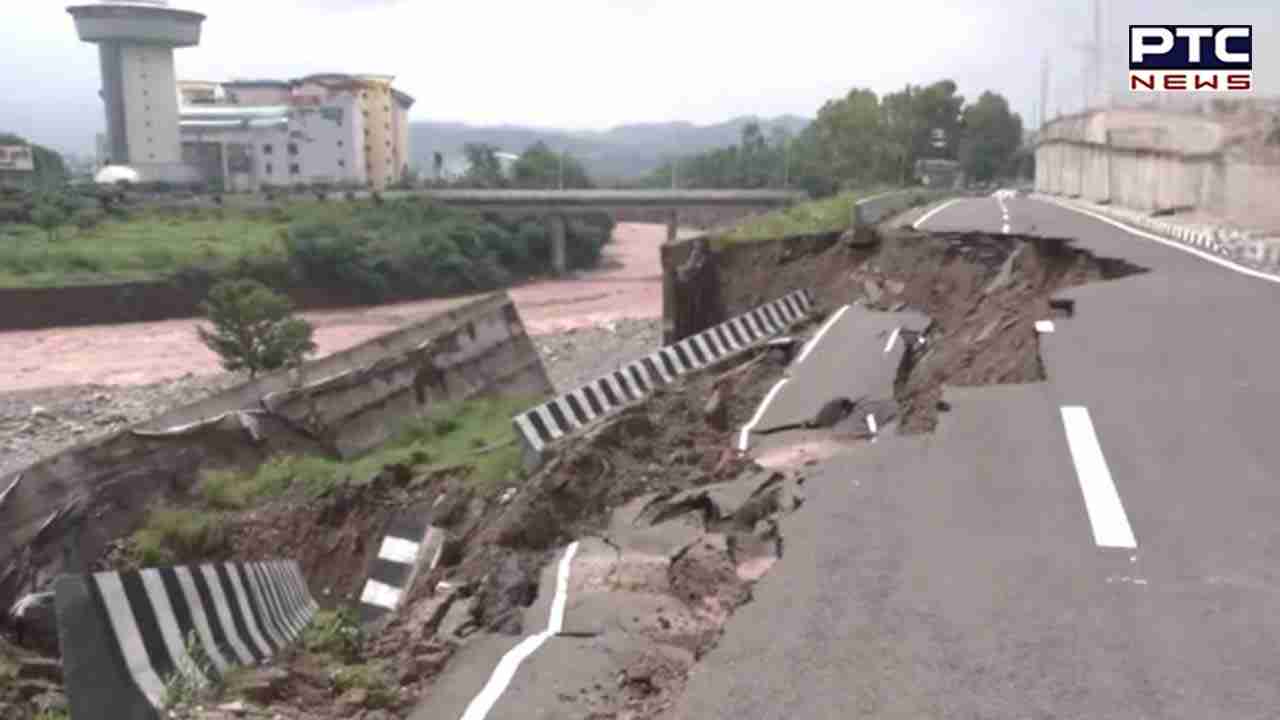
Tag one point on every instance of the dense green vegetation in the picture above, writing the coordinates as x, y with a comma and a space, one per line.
538, 168
473, 438
377, 250
817, 216
862, 140
50, 171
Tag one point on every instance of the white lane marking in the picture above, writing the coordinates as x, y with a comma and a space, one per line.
1005, 228
893, 338
480, 706
1044, 326
380, 594
4, 495
871, 423
755, 419
916, 225
809, 346
398, 550
1171, 243
1101, 501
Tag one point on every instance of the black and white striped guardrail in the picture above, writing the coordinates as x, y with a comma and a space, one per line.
408, 540
124, 634
568, 413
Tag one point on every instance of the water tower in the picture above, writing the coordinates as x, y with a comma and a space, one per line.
135, 41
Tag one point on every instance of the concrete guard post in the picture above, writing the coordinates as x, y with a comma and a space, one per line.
123, 634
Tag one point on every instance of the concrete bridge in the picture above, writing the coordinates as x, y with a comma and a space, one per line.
698, 207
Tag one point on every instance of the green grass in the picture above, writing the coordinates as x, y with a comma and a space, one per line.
816, 216
450, 435
371, 677
335, 633
173, 533
146, 246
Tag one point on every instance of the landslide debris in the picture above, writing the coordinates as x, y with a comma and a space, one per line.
983, 292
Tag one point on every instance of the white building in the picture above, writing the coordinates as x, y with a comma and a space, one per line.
135, 40
332, 128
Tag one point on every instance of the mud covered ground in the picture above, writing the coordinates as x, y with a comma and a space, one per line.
664, 463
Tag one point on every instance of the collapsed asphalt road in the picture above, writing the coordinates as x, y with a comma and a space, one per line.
1101, 544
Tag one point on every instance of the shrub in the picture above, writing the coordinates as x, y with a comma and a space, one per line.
48, 217
336, 633
254, 328
171, 534
88, 218
194, 679
370, 677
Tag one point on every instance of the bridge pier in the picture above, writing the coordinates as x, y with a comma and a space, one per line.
556, 229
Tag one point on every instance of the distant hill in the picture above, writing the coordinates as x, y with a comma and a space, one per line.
623, 152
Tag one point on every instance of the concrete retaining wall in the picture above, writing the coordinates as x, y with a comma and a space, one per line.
585, 406
60, 513
1156, 161
124, 634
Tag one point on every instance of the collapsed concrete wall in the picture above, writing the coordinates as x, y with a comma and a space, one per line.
59, 514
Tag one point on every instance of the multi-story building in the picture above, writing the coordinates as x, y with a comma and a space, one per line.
136, 40
339, 128
332, 127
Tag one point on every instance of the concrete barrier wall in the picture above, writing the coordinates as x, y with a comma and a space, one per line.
123, 635
60, 513
410, 546
585, 406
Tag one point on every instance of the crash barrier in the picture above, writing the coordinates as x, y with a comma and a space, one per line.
410, 544
566, 414
123, 635
1244, 247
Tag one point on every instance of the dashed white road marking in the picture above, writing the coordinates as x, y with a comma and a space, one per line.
1005, 228
1044, 326
1101, 500
871, 424
743, 437
480, 706
916, 225
893, 338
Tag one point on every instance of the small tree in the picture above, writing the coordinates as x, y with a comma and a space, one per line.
48, 217
254, 328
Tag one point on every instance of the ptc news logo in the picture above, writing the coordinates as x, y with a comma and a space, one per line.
1191, 58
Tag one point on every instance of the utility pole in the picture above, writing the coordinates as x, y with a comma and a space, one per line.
1044, 91
675, 173
1099, 79
786, 163
562, 168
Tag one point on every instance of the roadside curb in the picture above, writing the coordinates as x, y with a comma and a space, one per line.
576, 410
1251, 250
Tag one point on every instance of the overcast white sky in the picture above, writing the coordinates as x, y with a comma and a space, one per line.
592, 64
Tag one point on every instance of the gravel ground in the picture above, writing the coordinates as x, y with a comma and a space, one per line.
37, 423
576, 356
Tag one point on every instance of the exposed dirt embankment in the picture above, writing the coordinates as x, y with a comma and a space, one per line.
984, 294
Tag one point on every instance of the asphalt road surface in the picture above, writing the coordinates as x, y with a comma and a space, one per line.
1105, 544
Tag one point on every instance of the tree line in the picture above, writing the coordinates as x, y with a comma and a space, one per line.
863, 139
